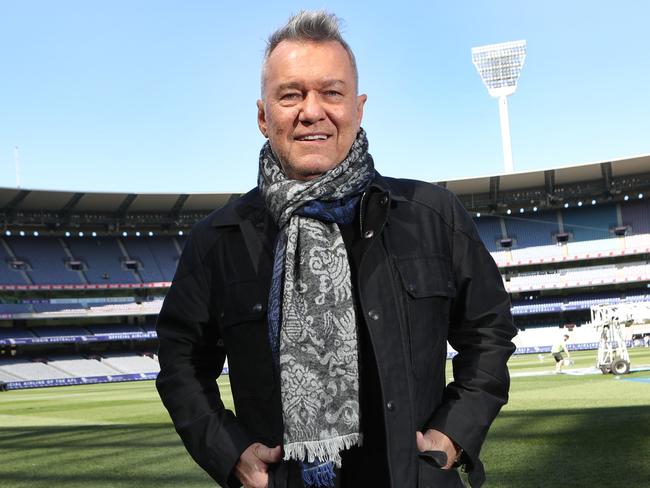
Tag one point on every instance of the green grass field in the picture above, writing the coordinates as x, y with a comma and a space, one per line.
558, 430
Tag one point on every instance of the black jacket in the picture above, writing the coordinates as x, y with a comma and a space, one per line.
423, 278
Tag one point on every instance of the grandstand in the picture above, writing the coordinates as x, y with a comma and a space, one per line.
83, 275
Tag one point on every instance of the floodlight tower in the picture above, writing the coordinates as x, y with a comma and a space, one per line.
499, 66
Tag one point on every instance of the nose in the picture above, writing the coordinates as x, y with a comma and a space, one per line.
312, 109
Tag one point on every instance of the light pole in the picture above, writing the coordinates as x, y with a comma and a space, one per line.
500, 66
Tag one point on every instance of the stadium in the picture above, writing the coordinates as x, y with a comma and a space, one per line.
83, 276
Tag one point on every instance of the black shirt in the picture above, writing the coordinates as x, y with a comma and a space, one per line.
366, 465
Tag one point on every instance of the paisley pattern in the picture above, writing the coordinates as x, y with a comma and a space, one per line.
312, 321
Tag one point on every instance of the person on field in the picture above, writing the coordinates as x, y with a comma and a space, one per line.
333, 291
557, 349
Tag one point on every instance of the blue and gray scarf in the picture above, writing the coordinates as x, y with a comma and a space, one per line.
311, 313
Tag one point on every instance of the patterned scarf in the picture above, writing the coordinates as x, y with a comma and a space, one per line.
311, 315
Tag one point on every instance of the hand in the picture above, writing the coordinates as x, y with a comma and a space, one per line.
252, 467
434, 440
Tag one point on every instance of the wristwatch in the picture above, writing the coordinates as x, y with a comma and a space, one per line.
459, 456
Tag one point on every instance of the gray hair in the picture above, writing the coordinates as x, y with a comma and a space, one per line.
309, 25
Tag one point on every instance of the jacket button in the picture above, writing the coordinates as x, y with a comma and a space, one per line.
390, 406
257, 307
373, 314
383, 201
368, 234
411, 288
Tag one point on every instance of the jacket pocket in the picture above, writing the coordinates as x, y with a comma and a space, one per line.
427, 290
242, 319
430, 476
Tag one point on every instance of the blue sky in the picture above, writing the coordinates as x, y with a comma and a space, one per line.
159, 96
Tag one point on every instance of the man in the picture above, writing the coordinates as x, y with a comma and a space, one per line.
333, 292
558, 348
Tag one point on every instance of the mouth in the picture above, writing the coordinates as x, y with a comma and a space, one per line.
312, 137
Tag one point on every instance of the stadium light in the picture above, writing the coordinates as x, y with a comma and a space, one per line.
180, 232
478, 214
580, 204
124, 234
508, 211
35, 233
534, 209
626, 197
22, 233
94, 234
67, 233
566, 205
150, 234
8, 233
593, 202
521, 210
81, 234
137, 233
640, 196
500, 66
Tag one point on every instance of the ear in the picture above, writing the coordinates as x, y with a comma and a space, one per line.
361, 101
261, 118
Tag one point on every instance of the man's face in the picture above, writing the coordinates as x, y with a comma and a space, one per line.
310, 111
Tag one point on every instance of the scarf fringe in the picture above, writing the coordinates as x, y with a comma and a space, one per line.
326, 450
321, 475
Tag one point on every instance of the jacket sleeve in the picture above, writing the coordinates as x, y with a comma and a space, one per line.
191, 358
481, 331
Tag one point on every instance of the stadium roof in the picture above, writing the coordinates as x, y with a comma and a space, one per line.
18, 200
637, 165
56, 201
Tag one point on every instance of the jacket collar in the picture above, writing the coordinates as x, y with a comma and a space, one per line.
252, 205
382, 185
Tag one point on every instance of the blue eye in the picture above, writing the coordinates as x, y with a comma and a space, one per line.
290, 96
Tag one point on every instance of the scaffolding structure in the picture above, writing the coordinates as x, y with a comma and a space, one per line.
611, 322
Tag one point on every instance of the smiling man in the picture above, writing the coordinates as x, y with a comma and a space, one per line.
310, 110
333, 292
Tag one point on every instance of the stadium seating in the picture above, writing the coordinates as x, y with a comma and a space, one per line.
577, 248
139, 250
103, 258
7, 377
578, 277
56, 307
78, 366
547, 336
59, 331
25, 369
149, 327
489, 229
584, 224
537, 229
8, 275
71, 366
636, 215
131, 363
580, 302
113, 329
46, 257
66, 331
13, 308
536, 253
16, 333
158, 257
